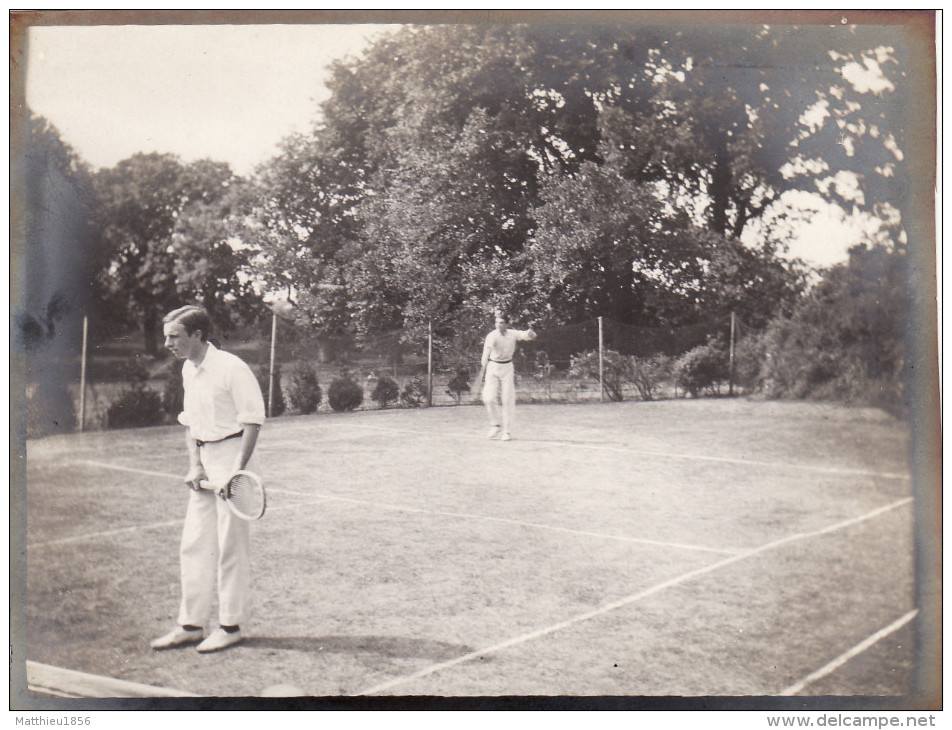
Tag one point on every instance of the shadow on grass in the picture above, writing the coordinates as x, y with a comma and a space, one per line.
389, 646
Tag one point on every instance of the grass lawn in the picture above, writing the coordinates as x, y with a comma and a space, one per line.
707, 547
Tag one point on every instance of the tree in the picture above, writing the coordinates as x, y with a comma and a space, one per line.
211, 263
439, 150
846, 338
139, 203
54, 254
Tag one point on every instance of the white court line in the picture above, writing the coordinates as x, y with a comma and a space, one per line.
416, 510
627, 600
648, 452
846, 656
59, 682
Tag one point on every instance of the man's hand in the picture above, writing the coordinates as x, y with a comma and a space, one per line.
195, 476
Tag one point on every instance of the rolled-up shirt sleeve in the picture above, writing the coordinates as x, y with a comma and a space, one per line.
246, 393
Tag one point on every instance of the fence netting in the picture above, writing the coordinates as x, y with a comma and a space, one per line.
429, 365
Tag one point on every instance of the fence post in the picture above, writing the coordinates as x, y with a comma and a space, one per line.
82, 377
730, 376
274, 337
429, 363
601, 367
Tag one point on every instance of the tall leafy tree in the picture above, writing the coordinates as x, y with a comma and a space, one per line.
139, 202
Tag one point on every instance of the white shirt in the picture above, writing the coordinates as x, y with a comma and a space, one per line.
221, 394
501, 347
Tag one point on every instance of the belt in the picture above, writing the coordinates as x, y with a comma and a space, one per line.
229, 436
500, 362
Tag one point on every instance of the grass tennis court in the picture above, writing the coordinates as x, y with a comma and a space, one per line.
677, 548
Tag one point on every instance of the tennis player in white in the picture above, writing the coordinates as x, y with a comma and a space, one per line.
223, 413
499, 389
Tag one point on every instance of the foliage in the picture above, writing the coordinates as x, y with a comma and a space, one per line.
55, 244
459, 384
647, 374
703, 367
542, 370
157, 217
304, 392
344, 394
278, 403
845, 340
173, 397
386, 391
137, 404
562, 170
616, 371
414, 392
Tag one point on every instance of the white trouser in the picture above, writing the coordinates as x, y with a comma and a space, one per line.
499, 394
215, 545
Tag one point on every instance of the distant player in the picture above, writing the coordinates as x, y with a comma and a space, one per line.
499, 389
223, 412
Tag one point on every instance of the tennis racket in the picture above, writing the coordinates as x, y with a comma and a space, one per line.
243, 493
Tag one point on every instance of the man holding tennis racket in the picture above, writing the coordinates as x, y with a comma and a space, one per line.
499, 390
223, 412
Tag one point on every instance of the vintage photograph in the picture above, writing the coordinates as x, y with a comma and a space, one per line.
463, 360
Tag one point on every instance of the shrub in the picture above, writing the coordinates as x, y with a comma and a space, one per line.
648, 372
304, 392
278, 404
386, 391
616, 370
459, 384
344, 394
173, 397
706, 366
136, 406
543, 370
414, 392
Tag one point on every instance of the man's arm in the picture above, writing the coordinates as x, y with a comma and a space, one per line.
196, 472
249, 438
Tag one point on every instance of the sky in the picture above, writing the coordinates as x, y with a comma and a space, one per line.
229, 93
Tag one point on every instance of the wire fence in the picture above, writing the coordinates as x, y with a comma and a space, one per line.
429, 366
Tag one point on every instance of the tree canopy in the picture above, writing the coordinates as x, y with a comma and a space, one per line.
569, 170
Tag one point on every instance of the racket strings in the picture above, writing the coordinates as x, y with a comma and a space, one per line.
246, 494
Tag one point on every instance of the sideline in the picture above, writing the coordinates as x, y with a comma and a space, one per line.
683, 578
846, 656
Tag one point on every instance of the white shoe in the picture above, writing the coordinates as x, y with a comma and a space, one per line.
505, 437
493, 432
178, 636
219, 639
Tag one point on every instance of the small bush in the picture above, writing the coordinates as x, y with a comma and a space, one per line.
459, 384
278, 404
136, 406
173, 397
344, 394
648, 372
414, 393
615, 371
304, 392
386, 391
706, 366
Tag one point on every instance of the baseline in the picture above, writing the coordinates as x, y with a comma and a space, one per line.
59, 682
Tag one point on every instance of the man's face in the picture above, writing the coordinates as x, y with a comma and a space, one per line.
501, 324
179, 342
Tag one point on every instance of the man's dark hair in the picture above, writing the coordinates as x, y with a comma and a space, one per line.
191, 317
